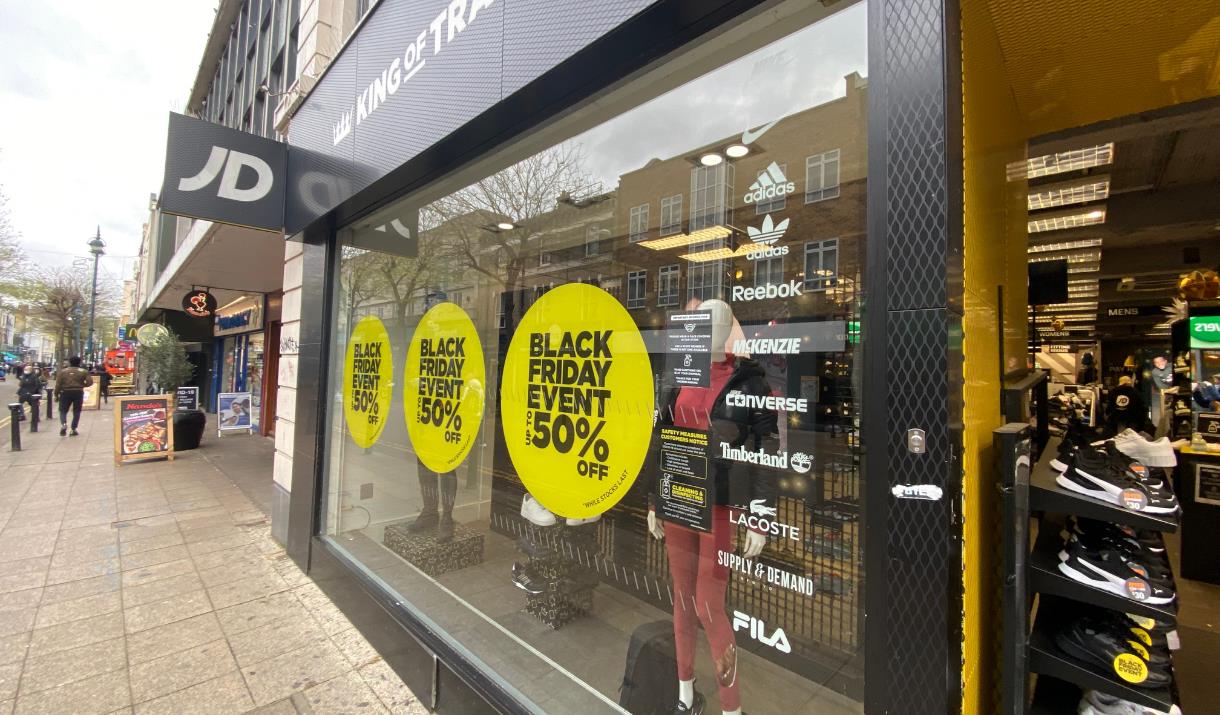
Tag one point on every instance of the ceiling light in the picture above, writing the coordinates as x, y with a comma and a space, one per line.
1062, 162
716, 254
1065, 245
737, 151
710, 233
1055, 307
505, 226
1074, 257
1066, 219
1084, 268
711, 159
1068, 193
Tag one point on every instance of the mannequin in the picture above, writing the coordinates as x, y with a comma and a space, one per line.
700, 583
438, 490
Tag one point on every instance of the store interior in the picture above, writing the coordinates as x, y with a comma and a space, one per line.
1092, 163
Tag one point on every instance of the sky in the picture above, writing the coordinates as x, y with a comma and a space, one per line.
85, 92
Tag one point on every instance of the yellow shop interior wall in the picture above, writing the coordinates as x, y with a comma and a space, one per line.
994, 246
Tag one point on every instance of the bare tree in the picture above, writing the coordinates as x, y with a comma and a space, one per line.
12, 260
59, 298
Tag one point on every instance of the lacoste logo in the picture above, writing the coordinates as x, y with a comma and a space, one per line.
232, 162
749, 137
769, 232
759, 507
771, 183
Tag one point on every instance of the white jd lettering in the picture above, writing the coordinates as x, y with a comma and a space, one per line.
232, 161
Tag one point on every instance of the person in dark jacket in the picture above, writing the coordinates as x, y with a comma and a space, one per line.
70, 387
29, 389
103, 381
1125, 408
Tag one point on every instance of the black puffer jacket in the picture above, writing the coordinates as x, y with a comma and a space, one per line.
736, 483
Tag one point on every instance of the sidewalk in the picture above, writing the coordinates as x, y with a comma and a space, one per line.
155, 587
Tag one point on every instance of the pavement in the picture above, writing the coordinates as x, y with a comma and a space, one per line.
155, 587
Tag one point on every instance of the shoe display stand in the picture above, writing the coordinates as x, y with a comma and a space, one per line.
428, 554
567, 583
1029, 647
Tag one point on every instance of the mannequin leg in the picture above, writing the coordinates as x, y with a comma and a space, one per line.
711, 587
428, 516
447, 484
682, 546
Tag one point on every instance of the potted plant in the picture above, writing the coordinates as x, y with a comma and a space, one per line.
164, 360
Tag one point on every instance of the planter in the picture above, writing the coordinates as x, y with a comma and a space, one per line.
188, 428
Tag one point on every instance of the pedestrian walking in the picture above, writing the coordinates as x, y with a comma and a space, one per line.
70, 392
103, 380
29, 389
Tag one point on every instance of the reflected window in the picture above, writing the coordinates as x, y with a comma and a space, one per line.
639, 223
822, 176
710, 191
821, 264
667, 286
671, 214
637, 288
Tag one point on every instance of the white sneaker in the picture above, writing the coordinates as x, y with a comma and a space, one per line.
579, 522
535, 512
1158, 453
1095, 703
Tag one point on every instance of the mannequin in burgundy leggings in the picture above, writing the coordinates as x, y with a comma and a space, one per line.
699, 582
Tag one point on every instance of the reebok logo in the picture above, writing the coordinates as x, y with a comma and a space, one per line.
767, 346
232, 162
791, 289
771, 183
758, 631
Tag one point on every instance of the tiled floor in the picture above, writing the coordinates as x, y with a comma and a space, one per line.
155, 587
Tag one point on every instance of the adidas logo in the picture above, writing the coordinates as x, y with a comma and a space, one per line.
769, 232
770, 184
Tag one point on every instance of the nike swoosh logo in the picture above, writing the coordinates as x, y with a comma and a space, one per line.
749, 137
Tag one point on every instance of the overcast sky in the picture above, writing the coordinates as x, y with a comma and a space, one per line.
85, 90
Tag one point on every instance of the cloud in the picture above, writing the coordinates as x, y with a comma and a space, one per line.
86, 89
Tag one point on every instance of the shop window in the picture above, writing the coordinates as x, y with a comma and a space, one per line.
821, 264
822, 176
667, 286
499, 485
639, 223
637, 287
671, 214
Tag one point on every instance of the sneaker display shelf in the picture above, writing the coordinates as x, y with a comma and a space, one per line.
1040, 599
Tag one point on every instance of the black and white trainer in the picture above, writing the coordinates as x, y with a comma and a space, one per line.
1103, 482
1109, 571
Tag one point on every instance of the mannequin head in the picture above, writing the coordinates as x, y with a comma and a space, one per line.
722, 325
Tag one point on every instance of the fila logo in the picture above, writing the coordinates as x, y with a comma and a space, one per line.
771, 183
758, 631
232, 161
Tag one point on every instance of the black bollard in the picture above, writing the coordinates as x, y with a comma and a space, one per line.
49, 415
35, 412
14, 409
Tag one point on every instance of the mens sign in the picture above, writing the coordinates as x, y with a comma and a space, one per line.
221, 174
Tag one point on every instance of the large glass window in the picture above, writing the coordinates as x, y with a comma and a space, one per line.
541, 461
822, 176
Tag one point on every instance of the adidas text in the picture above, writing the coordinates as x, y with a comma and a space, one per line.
769, 252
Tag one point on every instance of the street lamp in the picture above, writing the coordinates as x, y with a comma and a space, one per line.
96, 244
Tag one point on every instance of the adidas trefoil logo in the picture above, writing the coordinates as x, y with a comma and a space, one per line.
771, 183
769, 232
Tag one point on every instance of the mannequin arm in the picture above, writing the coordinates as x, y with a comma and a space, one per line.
754, 544
654, 525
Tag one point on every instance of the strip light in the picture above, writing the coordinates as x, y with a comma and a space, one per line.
1045, 319
711, 233
1066, 219
1076, 257
1062, 162
1069, 193
720, 254
1066, 245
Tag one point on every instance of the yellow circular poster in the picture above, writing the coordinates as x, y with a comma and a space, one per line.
368, 376
443, 387
576, 400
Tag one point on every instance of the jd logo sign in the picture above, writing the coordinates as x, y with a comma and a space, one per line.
220, 174
233, 165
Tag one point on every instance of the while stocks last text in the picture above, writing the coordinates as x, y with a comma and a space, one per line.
566, 396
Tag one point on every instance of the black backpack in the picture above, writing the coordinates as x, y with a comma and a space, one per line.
650, 678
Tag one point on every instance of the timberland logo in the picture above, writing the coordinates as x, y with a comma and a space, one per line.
771, 184
758, 631
232, 161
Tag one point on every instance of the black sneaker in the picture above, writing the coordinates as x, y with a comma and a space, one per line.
524, 581
1108, 570
1149, 542
63, 431
1102, 482
1133, 467
1151, 650
1101, 648
696, 707
74, 433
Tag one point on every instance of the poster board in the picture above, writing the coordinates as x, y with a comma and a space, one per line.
187, 398
142, 427
1207, 484
93, 396
233, 412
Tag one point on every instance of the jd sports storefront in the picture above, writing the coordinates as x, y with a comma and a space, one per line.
588, 399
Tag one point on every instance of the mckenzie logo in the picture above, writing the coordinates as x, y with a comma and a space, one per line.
758, 631
761, 518
232, 162
767, 346
771, 184
799, 462
791, 289
737, 398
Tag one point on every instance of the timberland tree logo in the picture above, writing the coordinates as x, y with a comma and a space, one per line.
232, 161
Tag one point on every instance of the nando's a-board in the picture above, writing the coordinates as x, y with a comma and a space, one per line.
143, 427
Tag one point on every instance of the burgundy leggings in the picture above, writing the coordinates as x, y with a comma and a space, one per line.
699, 590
